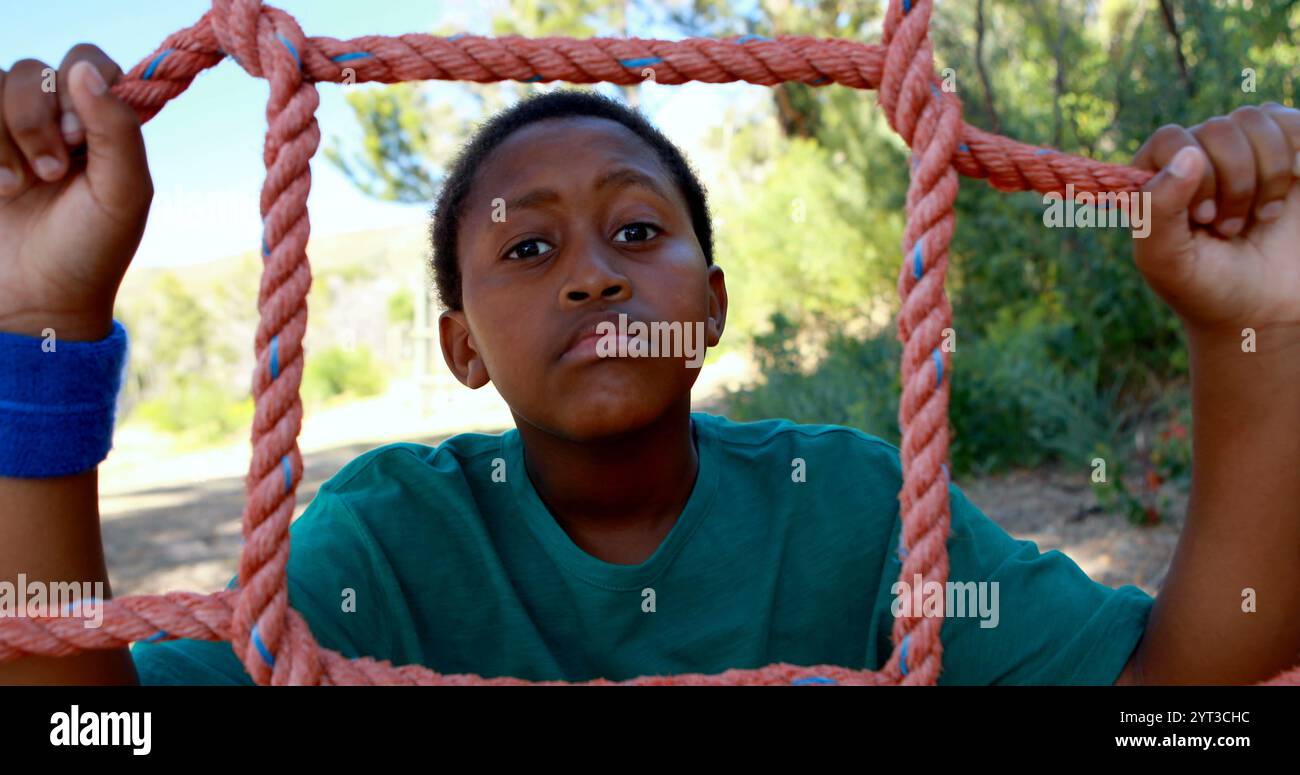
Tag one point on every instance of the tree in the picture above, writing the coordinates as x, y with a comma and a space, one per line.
407, 138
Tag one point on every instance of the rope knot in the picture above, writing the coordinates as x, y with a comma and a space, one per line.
264, 40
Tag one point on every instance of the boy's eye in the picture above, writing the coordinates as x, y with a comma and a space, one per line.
527, 249
637, 228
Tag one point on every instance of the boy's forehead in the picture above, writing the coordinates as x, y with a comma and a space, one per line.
562, 149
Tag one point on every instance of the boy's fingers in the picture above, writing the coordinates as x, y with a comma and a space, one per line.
1234, 168
31, 116
1273, 160
116, 167
1288, 120
14, 176
1173, 191
1161, 148
70, 123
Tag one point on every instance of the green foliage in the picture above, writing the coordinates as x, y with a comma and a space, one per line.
855, 382
186, 323
405, 135
198, 409
792, 242
1013, 402
401, 307
393, 160
1133, 482
1171, 454
335, 371
180, 377
1016, 401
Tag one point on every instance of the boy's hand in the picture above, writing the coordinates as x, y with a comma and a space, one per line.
70, 225
1224, 246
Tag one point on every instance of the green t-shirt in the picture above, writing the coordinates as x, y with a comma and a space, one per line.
786, 551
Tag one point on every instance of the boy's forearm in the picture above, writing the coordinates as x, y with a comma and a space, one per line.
49, 532
1241, 542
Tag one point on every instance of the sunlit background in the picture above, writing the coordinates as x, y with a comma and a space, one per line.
1063, 353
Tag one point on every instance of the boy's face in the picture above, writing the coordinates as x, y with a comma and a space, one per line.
547, 251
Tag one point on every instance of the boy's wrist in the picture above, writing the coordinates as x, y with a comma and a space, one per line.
80, 328
1245, 379
1268, 346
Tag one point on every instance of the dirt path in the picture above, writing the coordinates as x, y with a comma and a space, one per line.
187, 536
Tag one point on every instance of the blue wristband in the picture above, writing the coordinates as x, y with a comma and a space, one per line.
58, 402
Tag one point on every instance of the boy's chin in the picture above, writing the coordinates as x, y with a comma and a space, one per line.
595, 418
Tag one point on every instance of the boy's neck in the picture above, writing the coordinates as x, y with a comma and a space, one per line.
616, 499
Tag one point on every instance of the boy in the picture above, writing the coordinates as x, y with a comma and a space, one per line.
614, 533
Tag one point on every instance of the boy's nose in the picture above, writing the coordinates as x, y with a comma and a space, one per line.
595, 277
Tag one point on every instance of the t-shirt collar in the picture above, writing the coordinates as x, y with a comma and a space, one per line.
594, 570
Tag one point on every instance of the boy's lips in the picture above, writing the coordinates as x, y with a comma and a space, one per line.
582, 340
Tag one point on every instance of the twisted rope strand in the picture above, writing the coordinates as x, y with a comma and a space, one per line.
272, 640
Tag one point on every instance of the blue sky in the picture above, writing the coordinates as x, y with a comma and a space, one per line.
205, 147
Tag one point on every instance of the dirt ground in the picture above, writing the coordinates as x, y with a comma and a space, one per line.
186, 536
1058, 510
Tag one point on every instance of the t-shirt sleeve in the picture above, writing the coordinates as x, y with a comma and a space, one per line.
336, 581
1042, 619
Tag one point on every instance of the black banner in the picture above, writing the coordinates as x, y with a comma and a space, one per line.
216, 725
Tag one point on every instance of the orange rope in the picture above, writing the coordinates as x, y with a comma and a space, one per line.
271, 639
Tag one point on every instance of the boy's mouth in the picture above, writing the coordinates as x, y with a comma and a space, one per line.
581, 343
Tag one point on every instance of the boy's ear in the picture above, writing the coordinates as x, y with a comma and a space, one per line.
458, 350
717, 305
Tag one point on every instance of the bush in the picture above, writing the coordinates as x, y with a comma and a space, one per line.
335, 370
198, 409
1018, 399
1012, 403
854, 384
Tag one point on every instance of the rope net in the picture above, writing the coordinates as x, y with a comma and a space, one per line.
270, 638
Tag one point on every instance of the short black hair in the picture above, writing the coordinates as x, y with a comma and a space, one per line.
560, 103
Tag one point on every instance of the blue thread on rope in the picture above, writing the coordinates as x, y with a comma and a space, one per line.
1043, 151
266, 251
938, 364
947, 476
963, 147
289, 46
153, 638
267, 657
935, 90
148, 72
812, 679
902, 550
907, 6
747, 38
68, 608
350, 55
288, 473
640, 62
902, 656
823, 79
458, 35
275, 356
916, 260
534, 79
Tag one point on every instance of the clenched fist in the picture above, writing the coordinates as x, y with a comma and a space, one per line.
1224, 248
75, 192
